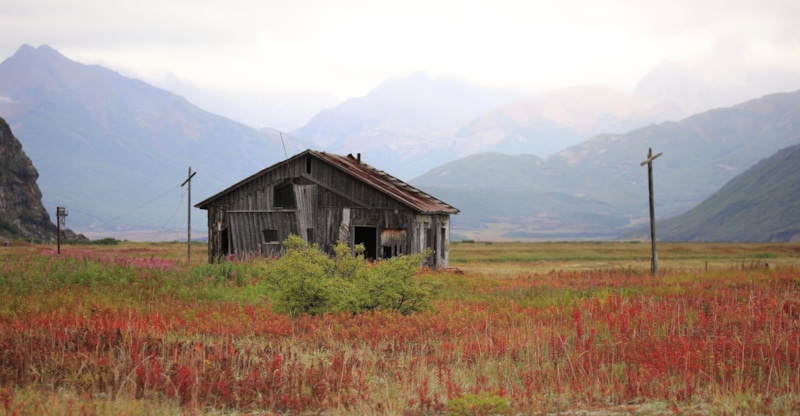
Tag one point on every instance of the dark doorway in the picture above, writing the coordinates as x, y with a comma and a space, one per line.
223, 243
368, 236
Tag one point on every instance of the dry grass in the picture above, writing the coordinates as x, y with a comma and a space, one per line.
513, 259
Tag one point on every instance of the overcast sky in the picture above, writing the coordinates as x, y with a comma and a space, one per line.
347, 47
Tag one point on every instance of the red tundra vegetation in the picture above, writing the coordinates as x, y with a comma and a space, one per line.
93, 332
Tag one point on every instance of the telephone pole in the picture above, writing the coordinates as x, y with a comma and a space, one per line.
189, 216
654, 255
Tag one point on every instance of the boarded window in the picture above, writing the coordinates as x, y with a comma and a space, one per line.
393, 242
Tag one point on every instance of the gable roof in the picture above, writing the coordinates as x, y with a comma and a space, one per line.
377, 179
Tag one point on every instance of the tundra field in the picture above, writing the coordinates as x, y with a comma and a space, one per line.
513, 328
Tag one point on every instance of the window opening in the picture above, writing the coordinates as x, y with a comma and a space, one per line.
271, 236
284, 197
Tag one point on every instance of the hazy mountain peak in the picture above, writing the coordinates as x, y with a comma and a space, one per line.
25, 48
590, 109
550, 122
398, 120
27, 54
697, 89
46, 68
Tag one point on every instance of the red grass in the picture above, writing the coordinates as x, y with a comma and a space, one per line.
542, 342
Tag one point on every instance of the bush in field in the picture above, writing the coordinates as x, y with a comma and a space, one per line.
306, 280
482, 404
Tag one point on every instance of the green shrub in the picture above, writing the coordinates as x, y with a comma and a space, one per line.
306, 280
392, 284
484, 403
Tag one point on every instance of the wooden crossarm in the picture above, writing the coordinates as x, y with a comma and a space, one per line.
650, 157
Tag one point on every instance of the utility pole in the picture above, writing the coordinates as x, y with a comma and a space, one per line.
61, 224
189, 216
654, 255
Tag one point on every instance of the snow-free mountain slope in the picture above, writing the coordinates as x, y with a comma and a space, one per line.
109, 147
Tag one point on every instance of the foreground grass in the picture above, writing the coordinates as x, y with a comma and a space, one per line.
136, 330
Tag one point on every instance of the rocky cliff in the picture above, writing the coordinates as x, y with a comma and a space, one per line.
22, 214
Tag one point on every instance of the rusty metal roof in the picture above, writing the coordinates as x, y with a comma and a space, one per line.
380, 180
388, 184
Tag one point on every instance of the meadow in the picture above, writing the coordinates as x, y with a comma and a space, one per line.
515, 328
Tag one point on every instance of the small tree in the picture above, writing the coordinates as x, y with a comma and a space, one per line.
306, 280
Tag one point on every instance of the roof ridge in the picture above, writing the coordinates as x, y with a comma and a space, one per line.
377, 179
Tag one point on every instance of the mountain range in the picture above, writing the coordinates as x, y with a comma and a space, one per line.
114, 150
598, 189
559, 164
411, 125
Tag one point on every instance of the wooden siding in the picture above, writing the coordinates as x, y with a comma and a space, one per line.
305, 196
247, 236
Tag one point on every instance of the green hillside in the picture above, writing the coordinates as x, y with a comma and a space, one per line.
760, 205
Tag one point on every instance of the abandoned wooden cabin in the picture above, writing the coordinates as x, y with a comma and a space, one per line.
325, 198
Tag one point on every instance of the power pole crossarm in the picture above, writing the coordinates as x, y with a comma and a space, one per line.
651, 157
654, 256
189, 216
